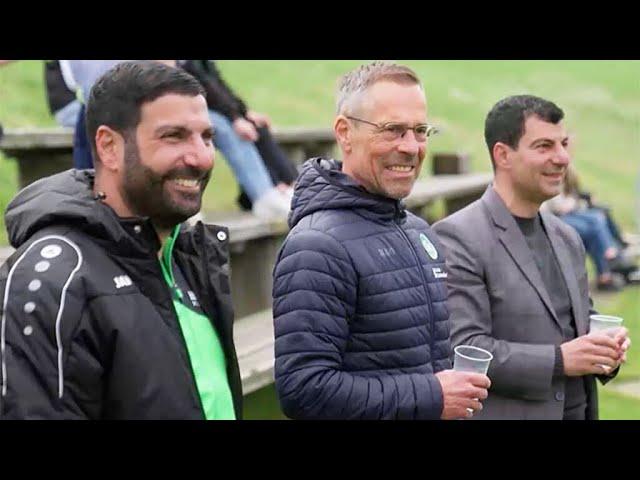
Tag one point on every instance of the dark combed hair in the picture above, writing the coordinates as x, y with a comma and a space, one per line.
118, 95
505, 122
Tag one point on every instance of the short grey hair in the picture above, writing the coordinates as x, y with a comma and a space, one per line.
353, 84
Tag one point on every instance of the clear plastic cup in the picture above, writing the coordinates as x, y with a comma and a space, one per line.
601, 323
468, 358
471, 359
604, 323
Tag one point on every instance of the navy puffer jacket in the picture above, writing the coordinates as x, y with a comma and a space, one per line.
361, 323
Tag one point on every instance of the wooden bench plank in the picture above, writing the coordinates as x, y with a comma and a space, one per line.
57, 137
40, 152
446, 186
243, 226
254, 339
37, 138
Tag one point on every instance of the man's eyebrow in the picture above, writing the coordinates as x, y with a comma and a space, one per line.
168, 128
541, 140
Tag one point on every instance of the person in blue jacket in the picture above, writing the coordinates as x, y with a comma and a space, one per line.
359, 297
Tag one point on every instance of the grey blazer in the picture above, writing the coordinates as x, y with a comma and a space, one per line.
498, 302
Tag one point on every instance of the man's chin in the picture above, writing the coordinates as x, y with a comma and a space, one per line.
550, 192
168, 222
184, 215
177, 213
399, 192
184, 204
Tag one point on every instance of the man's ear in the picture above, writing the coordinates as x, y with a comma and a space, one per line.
109, 148
342, 130
501, 155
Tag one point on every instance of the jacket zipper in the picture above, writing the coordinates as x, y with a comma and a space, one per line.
424, 281
177, 293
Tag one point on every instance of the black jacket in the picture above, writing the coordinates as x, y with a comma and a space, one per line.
88, 325
59, 95
220, 97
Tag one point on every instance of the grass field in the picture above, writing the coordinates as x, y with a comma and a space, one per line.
601, 100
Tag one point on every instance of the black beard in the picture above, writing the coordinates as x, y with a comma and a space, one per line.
143, 191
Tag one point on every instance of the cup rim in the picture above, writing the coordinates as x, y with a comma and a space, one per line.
478, 349
607, 319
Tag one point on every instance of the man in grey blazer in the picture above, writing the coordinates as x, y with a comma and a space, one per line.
517, 280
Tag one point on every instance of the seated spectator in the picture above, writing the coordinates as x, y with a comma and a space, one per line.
85, 73
232, 117
623, 263
61, 91
598, 231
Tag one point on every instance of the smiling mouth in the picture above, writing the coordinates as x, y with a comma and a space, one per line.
554, 174
187, 182
401, 168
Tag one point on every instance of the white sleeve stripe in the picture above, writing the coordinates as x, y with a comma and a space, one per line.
58, 317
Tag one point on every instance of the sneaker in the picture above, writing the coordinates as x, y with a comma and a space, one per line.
244, 202
623, 264
634, 276
615, 284
285, 190
273, 205
288, 193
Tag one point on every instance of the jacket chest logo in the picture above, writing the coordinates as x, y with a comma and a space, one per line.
438, 273
122, 281
193, 298
428, 246
386, 252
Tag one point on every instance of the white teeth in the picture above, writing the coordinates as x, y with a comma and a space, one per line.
400, 168
186, 183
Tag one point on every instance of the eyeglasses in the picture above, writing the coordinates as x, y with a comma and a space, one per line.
392, 131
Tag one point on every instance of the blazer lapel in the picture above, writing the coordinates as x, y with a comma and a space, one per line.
568, 272
514, 242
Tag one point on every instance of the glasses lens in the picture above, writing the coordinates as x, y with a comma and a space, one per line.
393, 131
422, 132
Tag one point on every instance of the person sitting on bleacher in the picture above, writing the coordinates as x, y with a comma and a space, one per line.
61, 89
232, 118
598, 231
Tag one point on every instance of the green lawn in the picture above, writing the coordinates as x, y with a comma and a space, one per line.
601, 100
627, 306
615, 406
263, 405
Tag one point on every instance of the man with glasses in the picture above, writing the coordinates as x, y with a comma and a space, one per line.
361, 325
